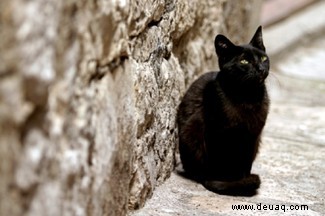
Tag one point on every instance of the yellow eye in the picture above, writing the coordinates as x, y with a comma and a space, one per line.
263, 58
243, 61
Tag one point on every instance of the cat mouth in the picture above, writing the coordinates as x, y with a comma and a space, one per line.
259, 79
263, 75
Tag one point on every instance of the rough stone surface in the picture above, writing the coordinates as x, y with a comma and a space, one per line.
88, 96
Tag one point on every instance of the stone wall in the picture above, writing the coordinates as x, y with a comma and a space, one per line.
88, 96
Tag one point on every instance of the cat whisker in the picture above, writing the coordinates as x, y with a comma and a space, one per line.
272, 78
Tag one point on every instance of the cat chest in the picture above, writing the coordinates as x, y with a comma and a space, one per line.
251, 118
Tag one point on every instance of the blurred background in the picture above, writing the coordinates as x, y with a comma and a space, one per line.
294, 35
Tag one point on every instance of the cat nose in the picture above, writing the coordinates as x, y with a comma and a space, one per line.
264, 74
261, 68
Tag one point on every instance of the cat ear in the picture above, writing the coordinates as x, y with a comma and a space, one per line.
257, 40
222, 44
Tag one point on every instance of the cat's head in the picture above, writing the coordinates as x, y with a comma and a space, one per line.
247, 62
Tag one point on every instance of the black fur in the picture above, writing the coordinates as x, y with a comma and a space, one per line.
221, 117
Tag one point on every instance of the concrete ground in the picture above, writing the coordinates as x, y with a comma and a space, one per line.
291, 161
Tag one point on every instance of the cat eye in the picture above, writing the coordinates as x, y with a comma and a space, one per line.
243, 61
263, 58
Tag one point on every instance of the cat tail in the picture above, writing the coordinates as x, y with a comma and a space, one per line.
245, 187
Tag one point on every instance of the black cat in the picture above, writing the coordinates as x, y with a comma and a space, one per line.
221, 117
